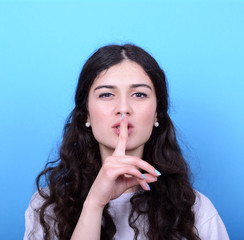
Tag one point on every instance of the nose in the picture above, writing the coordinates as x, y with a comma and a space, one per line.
124, 106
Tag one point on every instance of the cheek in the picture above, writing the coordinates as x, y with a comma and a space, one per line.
97, 112
149, 115
97, 125
98, 116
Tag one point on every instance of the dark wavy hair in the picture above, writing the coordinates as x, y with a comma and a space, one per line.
168, 206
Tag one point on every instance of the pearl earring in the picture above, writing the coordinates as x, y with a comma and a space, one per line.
156, 124
87, 124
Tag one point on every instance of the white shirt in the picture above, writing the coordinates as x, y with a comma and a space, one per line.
208, 221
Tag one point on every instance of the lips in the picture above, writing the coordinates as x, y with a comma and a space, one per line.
116, 128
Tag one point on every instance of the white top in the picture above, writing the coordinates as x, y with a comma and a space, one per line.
208, 221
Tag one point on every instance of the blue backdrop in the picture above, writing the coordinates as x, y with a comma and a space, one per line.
199, 44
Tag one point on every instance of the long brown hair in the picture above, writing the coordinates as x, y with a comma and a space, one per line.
168, 206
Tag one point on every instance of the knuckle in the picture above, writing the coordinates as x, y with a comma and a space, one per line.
106, 166
107, 173
129, 170
134, 160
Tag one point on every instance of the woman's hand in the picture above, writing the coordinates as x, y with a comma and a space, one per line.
120, 173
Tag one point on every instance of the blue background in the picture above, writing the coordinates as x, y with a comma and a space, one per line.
199, 44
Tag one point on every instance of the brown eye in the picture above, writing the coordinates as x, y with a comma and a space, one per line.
140, 95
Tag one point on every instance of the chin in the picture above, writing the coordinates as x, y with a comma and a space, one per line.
134, 147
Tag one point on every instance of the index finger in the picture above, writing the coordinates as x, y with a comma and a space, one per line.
123, 137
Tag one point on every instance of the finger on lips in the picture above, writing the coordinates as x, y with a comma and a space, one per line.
123, 137
143, 178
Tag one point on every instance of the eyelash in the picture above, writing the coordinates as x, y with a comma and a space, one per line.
139, 95
105, 95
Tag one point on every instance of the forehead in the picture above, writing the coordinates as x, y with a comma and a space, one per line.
126, 72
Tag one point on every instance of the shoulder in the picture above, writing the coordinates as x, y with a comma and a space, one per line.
207, 220
37, 200
33, 228
203, 208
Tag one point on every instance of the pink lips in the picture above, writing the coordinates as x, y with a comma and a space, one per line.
117, 131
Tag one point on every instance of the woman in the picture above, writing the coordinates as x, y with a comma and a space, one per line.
107, 182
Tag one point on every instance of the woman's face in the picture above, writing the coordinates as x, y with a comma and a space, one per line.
123, 88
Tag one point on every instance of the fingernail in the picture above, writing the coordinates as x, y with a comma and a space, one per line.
122, 116
148, 187
143, 176
159, 173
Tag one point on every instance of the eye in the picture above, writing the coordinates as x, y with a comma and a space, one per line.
105, 95
140, 95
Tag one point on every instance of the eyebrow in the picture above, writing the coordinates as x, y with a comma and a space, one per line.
141, 85
104, 86
131, 86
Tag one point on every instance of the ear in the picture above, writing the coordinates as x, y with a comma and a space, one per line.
156, 117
